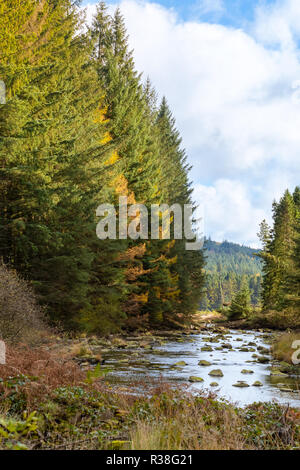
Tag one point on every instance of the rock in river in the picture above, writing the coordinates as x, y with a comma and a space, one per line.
216, 373
263, 350
195, 379
257, 384
204, 363
263, 359
241, 384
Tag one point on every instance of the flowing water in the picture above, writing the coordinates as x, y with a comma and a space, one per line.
160, 362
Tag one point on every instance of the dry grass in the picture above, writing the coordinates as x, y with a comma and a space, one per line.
176, 420
275, 320
206, 316
282, 348
186, 429
48, 370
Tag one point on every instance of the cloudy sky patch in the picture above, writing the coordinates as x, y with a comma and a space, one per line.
231, 73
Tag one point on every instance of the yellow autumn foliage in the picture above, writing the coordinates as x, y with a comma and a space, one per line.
133, 252
112, 159
121, 186
172, 260
173, 294
141, 298
106, 138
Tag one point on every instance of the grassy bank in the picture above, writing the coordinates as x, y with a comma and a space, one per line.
48, 402
268, 320
285, 347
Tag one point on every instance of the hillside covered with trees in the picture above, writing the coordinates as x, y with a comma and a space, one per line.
228, 268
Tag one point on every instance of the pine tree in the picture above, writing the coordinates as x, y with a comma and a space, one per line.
49, 141
293, 282
293, 276
186, 273
277, 252
124, 107
241, 303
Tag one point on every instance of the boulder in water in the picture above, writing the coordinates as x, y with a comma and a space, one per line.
226, 346
263, 359
195, 379
216, 373
204, 363
241, 384
257, 384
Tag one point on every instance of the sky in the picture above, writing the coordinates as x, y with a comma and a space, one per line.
230, 70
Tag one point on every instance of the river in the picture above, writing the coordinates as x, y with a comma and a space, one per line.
175, 360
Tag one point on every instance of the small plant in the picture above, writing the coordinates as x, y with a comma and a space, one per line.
98, 372
13, 430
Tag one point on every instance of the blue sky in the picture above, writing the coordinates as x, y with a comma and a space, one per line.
227, 12
230, 70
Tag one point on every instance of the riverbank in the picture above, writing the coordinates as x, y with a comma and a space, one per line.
157, 390
268, 321
51, 403
127, 359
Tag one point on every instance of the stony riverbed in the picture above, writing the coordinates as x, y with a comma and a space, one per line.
235, 364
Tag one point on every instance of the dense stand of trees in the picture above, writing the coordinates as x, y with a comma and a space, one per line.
230, 268
281, 256
80, 128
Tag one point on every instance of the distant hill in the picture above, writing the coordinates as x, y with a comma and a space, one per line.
227, 266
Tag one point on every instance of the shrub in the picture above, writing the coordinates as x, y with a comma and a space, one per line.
21, 318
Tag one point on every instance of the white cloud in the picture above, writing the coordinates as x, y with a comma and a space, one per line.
278, 23
226, 208
232, 96
90, 11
